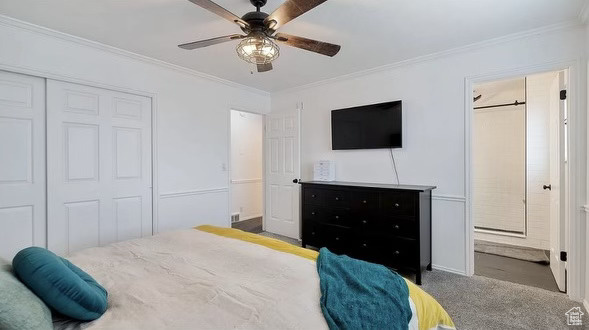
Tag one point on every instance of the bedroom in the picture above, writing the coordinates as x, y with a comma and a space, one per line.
429, 57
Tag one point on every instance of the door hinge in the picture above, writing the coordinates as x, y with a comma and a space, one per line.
563, 94
563, 256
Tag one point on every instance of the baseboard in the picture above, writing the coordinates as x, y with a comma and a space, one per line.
449, 270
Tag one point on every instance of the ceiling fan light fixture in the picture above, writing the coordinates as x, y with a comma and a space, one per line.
258, 49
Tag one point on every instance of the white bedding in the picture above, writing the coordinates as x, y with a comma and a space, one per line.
196, 280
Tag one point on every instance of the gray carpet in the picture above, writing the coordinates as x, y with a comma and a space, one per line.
483, 303
512, 251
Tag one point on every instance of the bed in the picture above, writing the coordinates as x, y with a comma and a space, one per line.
216, 278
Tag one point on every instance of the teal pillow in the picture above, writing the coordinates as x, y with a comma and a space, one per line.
19, 307
61, 285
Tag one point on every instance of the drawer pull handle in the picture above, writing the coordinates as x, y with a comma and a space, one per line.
397, 205
337, 238
337, 198
312, 213
396, 226
337, 216
397, 252
364, 244
312, 196
364, 221
364, 202
313, 233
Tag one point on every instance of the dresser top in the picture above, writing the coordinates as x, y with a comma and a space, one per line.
371, 185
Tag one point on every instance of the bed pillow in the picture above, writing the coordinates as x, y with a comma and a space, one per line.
19, 307
61, 285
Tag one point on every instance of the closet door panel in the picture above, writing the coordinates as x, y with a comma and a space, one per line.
22, 163
99, 166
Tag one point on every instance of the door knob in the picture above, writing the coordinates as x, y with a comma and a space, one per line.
296, 180
549, 187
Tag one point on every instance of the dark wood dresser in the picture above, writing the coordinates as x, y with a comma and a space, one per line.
381, 223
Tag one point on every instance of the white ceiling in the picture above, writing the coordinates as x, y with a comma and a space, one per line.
372, 33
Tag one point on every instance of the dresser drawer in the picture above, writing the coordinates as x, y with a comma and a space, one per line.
337, 238
399, 226
362, 201
399, 203
340, 217
314, 196
337, 198
312, 234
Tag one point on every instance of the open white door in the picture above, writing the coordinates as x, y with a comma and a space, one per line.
282, 142
557, 180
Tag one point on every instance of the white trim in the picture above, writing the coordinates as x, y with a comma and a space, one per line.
586, 304
563, 26
498, 233
244, 181
449, 270
576, 106
185, 193
449, 198
13, 22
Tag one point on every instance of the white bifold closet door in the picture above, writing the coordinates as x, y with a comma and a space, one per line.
98, 166
22, 163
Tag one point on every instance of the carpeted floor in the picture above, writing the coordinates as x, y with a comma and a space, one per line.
483, 303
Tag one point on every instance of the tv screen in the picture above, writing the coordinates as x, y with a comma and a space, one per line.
367, 127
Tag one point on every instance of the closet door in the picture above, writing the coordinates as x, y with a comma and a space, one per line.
22, 163
98, 165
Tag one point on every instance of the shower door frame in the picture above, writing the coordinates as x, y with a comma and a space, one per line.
500, 232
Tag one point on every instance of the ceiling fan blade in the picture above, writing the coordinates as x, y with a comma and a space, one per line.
288, 11
210, 42
311, 45
264, 67
215, 8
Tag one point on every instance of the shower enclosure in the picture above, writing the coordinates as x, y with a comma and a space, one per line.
499, 157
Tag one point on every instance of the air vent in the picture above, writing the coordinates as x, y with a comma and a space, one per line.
235, 217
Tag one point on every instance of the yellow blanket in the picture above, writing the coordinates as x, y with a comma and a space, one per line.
430, 314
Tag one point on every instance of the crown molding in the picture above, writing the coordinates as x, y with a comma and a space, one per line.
584, 13
16, 23
567, 25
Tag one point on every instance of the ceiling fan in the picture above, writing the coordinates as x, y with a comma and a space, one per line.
257, 46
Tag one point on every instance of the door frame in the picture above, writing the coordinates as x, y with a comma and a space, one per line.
229, 169
153, 96
575, 164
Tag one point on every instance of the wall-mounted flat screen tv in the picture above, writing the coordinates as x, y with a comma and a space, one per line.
372, 126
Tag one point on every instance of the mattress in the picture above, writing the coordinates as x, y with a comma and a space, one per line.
214, 278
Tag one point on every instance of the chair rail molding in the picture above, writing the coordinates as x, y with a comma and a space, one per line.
185, 193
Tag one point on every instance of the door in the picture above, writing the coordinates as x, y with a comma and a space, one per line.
98, 165
282, 142
22, 163
557, 182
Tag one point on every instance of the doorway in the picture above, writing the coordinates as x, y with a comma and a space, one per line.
246, 171
519, 175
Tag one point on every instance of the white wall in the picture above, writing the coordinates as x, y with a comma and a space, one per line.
538, 101
246, 164
192, 115
433, 94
